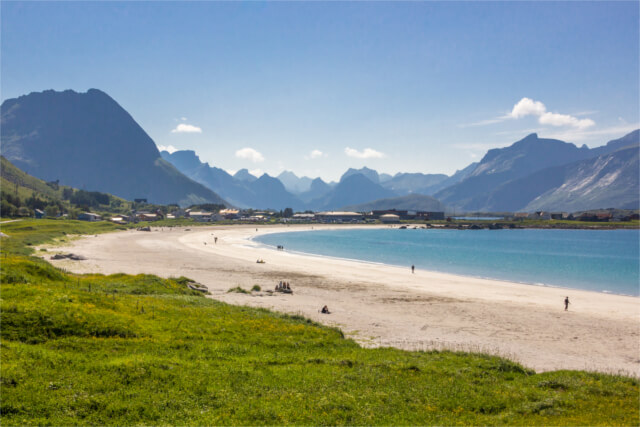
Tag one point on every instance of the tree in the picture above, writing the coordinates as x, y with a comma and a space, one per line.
7, 209
24, 211
288, 213
67, 192
51, 211
74, 212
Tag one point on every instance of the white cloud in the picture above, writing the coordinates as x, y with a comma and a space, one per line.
250, 154
256, 172
555, 119
185, 128
367, 153
231, 171
315, 154
527, 107
169, 148
184, 119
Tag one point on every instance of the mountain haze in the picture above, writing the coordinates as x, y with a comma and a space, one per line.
354, 189
410, 202
371, 174
407, 183
244, 175
293, 183
242, 190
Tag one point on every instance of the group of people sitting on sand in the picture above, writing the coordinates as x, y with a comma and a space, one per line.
260, 261
283, 287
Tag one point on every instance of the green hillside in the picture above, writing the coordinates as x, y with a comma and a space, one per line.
21, 193
13, 179
124, 350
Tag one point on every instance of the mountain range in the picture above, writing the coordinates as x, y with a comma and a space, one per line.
88, 141
524, 176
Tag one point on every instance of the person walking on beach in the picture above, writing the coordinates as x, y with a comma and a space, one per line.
566, 304
413, 269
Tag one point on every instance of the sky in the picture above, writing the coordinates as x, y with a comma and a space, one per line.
319, 87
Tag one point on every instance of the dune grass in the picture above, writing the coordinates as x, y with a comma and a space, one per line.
123, 350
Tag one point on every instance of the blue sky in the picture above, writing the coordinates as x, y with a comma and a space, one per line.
319, 87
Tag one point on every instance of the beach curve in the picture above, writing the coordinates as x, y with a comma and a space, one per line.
381, 305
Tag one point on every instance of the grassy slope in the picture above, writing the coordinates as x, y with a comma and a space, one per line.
142, 350
28, 185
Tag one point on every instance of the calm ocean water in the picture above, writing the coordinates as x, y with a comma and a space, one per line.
594, 260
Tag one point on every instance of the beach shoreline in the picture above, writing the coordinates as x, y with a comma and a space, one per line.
426, 270
383, 305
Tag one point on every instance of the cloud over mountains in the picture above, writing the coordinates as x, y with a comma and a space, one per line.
529, 107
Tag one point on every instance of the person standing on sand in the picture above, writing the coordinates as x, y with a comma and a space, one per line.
566, 304
413, 269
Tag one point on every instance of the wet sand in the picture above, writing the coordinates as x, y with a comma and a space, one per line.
379, 305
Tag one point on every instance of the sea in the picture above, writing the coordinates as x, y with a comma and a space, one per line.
594, 260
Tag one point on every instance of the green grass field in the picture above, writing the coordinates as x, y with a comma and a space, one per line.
123, 350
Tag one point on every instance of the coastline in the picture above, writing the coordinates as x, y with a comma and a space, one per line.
382, 305
427, 270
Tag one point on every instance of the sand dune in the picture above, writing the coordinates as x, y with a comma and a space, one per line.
381, 305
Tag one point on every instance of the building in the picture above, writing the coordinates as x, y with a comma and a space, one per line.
120, 219
89, 216
39, 214
200, 216
230, 213
377, 214
300, 217
390, 219
339, 217
430, 216
148, 216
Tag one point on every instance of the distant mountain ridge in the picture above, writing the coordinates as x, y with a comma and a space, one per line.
353, 189
293, 183
88, 141
513, 178
242, 189
510, 178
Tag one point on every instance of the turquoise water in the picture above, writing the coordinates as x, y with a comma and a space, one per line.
594, 260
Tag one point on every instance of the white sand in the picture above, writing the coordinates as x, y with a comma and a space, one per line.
381, 305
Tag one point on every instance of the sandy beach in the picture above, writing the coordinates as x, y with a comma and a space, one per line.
380, 305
